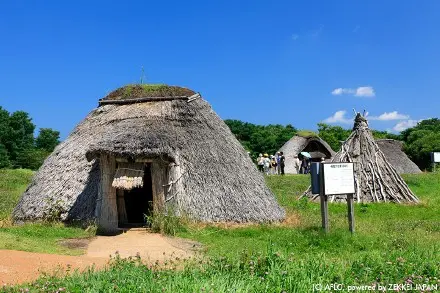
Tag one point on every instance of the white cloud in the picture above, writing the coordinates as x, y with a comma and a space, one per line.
363, 91
338, 117
402, 125
389, 116
341, 91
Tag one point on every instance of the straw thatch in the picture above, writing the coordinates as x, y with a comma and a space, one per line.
211, 177
394, 154
376, 180
314, 145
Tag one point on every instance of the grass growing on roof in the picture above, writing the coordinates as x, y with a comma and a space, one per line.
133, 91
306, 133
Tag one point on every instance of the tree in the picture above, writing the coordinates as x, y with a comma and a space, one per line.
47, 139
31, 158
18, 147
333, 135
261, 138
20, 136
4, 124
421, 140
4, 158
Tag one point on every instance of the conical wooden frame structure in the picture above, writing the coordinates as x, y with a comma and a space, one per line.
376, 180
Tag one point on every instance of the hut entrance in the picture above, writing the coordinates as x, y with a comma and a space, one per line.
134, 204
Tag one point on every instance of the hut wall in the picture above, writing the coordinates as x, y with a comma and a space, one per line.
107, 206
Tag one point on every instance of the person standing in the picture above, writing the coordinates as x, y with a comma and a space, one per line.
282, 163
277, 158
296, 164
266, 164
303, 165
260, 162
273, 165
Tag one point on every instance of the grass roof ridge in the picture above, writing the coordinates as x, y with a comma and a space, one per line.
133, 91
306, 133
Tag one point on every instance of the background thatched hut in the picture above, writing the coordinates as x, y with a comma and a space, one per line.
166, 137
314, 145
376, 180
394, 154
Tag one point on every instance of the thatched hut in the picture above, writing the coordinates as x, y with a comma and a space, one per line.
314, 145
376, 180
394, 154
149, 148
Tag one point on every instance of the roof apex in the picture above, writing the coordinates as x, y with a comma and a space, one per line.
133, 93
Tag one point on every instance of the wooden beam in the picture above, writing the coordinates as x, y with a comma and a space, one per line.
140, 160
159, 176
108, 214
141, 100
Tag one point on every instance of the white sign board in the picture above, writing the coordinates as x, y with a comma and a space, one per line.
436, 157
338, 178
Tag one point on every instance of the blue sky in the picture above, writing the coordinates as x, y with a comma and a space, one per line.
297, 62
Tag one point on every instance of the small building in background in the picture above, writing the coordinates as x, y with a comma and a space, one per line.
315, 146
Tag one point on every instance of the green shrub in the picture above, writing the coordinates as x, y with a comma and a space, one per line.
167, 223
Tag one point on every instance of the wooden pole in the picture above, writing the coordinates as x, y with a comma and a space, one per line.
350, 212
108, 214
324, 200
159, 179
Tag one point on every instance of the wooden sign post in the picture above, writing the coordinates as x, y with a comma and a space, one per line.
335, 179
324, 200
435, 158
350, 212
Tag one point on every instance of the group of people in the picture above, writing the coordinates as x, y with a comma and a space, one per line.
302, 164
271, 165
274, 164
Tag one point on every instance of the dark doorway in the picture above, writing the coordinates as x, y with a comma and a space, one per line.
139, 201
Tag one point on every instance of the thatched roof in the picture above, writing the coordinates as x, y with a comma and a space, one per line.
219, 181
134, 91
394, 154
376, 180
314, 145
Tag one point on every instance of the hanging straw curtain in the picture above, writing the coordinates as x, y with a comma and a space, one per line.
129, 176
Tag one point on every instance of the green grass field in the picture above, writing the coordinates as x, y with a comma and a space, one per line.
38, 237
397, 244
12, 184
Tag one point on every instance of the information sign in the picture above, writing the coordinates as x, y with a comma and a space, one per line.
338, 178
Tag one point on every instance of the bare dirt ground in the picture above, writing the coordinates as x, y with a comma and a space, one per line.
19, 266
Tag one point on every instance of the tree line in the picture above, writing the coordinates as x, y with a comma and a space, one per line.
19, 148
419, 141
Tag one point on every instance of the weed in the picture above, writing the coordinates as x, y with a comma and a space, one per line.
166, 222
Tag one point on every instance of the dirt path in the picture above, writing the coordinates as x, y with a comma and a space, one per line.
19, 266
